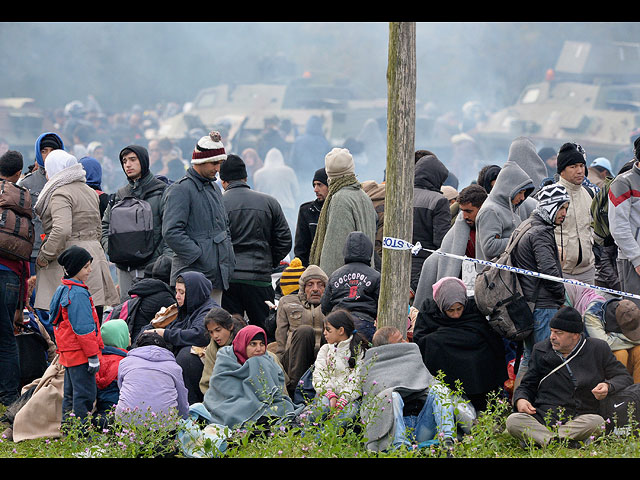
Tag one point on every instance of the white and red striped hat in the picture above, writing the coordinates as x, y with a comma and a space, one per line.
209, 149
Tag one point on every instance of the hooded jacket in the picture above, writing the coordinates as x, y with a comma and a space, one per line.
277, 179
523, 152
356, 285
431, 212
154, 294
498, 217
188, 328
148, 188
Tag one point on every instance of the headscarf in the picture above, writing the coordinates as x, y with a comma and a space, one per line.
448, 291
580, 297
242, 339
94, 172
115, 333
57, 161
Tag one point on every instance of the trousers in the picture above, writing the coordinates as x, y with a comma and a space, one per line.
524, 426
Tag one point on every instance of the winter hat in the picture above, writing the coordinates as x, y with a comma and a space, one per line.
289, 281
448, 291
603, 163
338, 162
73, 259
449, 192
242, 339
233, 168
551, 197
312, 272
567, 319
628, 319
209, 149
320, 176
115, 333
570, 154
57, 161
51, 140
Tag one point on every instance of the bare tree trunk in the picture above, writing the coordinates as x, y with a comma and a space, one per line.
398, 210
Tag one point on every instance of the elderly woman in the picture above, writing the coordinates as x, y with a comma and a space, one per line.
70, 214
456, 338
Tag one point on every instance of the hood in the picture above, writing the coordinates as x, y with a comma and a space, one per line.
357, 248
273, 159
523, 152
198, 290
152, 353
39, 159
510, 181
374, 189
430, 173
143, 156
93, 170
148, 286
314, 126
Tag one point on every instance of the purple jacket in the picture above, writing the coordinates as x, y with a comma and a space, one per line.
149, 378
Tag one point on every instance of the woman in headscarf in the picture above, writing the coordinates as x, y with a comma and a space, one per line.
93, 170
70, 214
456, 338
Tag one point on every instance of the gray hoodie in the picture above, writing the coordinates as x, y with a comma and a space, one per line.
523, 152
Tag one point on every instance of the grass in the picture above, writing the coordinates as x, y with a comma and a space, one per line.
155, 438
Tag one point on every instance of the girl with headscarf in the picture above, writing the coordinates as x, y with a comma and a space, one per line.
70, 214
456, 338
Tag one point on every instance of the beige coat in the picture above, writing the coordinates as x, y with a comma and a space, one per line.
72, 217
293, 312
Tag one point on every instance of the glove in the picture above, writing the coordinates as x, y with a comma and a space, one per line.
94, 365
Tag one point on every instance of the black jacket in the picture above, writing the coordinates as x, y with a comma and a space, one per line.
355, 286
260, 235
537, 251
154, 294
570, 386
308, 215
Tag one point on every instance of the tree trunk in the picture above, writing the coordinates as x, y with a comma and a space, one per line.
398, 210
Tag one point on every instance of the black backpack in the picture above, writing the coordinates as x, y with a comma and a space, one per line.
621, 409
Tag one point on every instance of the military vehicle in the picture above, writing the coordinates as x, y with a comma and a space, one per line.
21, 121
591, 97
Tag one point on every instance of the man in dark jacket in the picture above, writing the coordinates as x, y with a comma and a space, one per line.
141, 184
195, 223
431, 213
567, 377
308, 217
356, 285
537, 251
261, 238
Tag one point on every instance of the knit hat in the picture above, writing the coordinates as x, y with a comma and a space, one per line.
51, 140
551, 197
449, 192
567, 319
312, 272
291, 276
209, 149
338, 162
570, 154
628, 319
233, 168
73, 259
320, 176
115, 333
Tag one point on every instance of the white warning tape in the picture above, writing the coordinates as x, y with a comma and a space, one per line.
398, 244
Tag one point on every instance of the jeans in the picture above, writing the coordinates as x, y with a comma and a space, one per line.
541, 331
9, 357
80, 391
436, 417
365, 326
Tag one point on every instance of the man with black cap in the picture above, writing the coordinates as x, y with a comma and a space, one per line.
575, 236
261, 238
308, 215
142, 185
569, 373
624, 223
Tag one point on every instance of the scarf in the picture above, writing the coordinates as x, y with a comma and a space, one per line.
448, 291
242, 339
318, 240
73, 173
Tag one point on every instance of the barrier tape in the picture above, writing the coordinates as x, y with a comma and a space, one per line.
398, 244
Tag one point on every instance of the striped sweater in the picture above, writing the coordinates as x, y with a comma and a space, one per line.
624, 214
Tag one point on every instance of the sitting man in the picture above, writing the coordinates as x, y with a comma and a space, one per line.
568, 375
422, 408
300, 323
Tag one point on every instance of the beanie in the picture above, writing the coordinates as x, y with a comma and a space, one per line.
209, 149
233, 168
338, 162
291, 276
567, 319
320, 176
115, 333
449, 192
73, 259
51, 140
551, 197
312, 272
570, 154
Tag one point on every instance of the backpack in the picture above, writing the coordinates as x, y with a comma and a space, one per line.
617, 406
498, 294
600, 214
16, 226
125, 311
130, 239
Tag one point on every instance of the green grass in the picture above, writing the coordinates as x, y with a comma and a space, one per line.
488, 439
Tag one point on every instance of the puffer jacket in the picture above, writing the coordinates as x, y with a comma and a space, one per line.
260, 235
355, 286
331, 371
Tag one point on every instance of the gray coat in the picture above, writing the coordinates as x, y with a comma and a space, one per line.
523, 152
196, 227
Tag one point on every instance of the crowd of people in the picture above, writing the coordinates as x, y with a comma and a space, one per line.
205, 288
